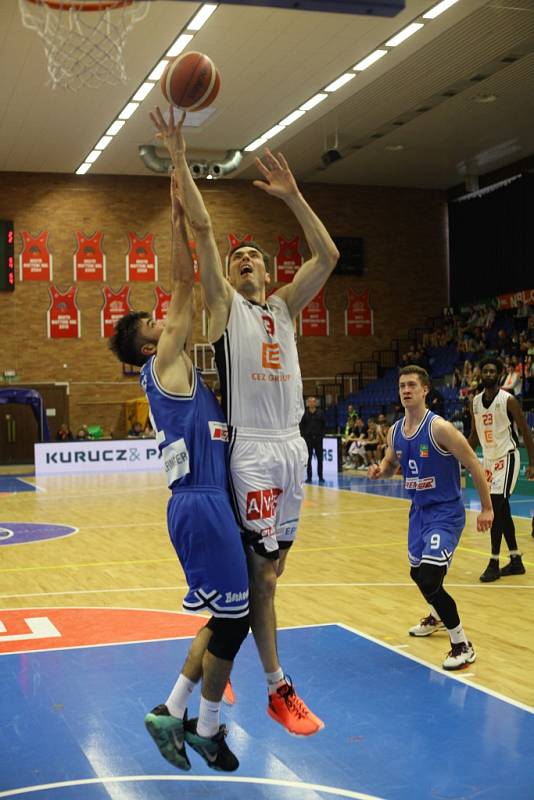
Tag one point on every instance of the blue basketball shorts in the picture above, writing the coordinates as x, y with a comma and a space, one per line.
434, 533
207, 540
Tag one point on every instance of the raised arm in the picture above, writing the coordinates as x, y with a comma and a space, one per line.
217, 291
311, 277
514, 408
450, 439
173, 365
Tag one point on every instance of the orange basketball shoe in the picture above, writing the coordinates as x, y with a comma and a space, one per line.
229, 694
287, 708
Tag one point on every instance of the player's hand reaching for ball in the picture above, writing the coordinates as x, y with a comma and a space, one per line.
170, 132
485, 519
279, 178
374, 472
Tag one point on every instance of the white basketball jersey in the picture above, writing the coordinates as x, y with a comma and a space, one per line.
258, 366
497, 433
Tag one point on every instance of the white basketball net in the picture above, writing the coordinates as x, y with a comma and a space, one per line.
84, 39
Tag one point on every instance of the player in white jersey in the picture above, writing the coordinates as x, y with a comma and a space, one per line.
497, 417
262, 395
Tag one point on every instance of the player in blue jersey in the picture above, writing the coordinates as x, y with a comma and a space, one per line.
192, 438
430, 451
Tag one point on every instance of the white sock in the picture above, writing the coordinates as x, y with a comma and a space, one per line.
275, 679
179, 696
208, 718
434, 613
457, 635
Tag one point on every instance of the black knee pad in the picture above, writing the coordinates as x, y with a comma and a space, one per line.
430, 579
227, 636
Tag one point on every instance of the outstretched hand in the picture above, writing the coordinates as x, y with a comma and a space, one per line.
279, 180
170, 132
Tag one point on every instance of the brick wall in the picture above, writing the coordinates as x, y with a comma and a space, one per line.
404, 232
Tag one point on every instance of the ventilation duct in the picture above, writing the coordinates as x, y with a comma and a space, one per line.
198, 169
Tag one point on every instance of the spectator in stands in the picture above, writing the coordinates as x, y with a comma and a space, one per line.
435, 402
149, 432
466, 418
357, 454
82, 435
136, 431
457, 421
383, 429
503, 343
373, 440
64, 433
512, 381
348, 434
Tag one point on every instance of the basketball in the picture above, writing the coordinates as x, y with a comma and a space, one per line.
191, 81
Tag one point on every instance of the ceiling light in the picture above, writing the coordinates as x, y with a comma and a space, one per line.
255, 144
180, 44
341, 81
485, 98
93, 155
439, 9
369, 60
291, 118
209, 177
394, 148
158, 70
83, 169
128, 110
103, 143
115, 127
313, 101
404, 34
203, 15
272, 132
143, 91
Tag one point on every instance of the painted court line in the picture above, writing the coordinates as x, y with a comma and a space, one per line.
313, 787
450, 675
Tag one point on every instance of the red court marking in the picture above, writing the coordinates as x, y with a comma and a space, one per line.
87, 626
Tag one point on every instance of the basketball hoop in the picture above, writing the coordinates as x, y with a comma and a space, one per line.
84, 40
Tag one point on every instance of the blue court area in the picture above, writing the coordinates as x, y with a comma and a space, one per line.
521, 505
72, 724
13, 483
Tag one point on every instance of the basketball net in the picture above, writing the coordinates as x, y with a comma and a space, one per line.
84, 39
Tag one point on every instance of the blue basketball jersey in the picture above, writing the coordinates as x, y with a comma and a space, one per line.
191, 432
431, 474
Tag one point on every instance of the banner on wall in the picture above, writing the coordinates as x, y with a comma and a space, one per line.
115, 306
314, 320
287, 260
359, 314
161, 308
89, 261
35, 260
526, 297
141, 260
63, 316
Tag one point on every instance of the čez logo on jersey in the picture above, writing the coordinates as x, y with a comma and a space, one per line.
218, 431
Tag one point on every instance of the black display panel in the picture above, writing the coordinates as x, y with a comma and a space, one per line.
350, 255
7, 256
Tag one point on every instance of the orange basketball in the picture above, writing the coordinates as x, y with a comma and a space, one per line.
191, 81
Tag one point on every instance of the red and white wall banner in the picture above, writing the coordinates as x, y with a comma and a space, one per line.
115, 306
35, 260
89, 261
63, 315
141, 260
163, 299
359, 314
314, 319
287, 260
